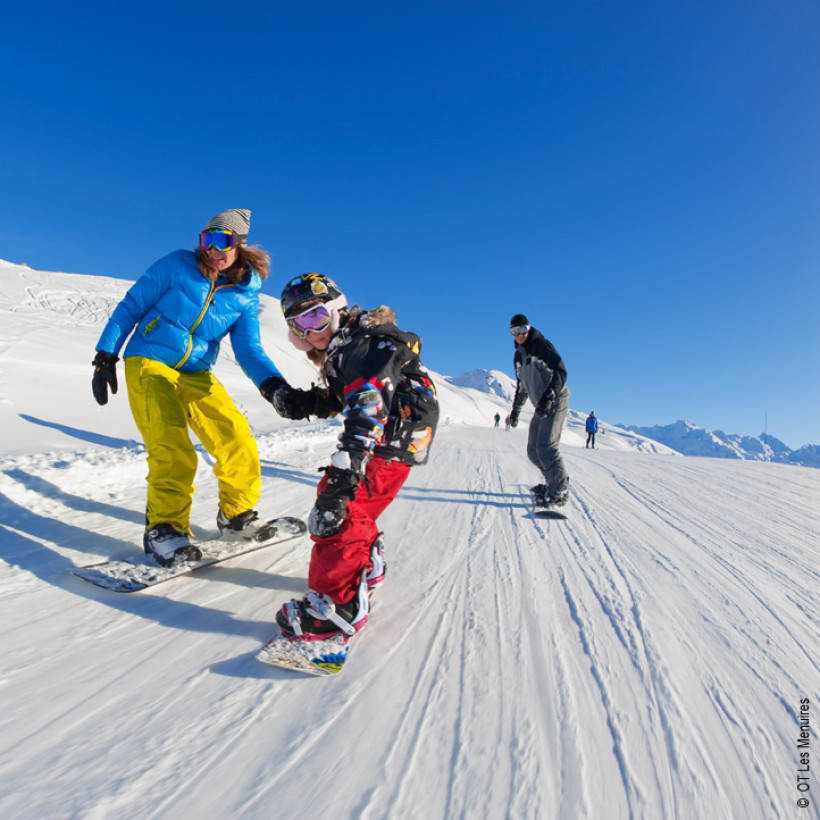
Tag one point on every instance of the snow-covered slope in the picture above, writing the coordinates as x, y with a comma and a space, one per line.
647, 657
52, 321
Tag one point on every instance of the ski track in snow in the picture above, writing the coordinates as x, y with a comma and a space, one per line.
643, 658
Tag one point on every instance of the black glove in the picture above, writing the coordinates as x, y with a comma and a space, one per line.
326, 403
293, 403
268, 387
105, 376
330, 509
545, 404
513, 419
289, 402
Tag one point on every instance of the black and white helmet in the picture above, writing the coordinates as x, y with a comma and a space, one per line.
310, 288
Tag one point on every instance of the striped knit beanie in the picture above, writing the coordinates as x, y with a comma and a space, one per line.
237, 220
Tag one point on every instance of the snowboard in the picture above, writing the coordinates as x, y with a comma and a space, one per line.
320, 658
550, 512
556, 511
140, 572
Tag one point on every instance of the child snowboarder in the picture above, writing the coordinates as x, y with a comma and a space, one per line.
374, 377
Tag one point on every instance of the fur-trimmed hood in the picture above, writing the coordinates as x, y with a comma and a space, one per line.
381, 315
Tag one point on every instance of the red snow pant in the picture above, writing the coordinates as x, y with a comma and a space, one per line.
337, 562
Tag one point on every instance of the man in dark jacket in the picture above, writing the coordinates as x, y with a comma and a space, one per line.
541, 376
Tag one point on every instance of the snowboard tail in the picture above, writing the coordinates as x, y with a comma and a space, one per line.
545, 512
130, 575
320, 657
312, 653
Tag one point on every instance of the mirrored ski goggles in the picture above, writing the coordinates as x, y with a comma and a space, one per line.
519, 330
221, 240
313, 320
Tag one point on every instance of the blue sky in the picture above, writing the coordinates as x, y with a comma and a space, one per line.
640, 178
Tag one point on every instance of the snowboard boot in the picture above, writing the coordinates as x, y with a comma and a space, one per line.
557, 499
378, 570
316, 617
540, 494
245, 524
168, 545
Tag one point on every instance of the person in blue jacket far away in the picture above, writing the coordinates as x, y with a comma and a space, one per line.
592, 429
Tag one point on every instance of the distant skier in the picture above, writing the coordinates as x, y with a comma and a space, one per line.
375, 379
182, 307
592, 429
497, 419
541, 376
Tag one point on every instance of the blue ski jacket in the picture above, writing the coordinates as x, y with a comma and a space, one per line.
181, 317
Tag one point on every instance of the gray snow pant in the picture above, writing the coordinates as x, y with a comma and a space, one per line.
542, 444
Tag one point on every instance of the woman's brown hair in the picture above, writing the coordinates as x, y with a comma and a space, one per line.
247, 257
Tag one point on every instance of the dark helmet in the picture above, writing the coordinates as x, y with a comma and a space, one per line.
310, 287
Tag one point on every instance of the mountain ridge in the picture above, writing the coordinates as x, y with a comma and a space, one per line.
683, 437
691, 440
52, 321
47, 311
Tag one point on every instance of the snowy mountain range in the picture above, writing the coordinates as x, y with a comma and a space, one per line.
46, 311
51, 323
654, 654
682, 437
495, 382
690, 440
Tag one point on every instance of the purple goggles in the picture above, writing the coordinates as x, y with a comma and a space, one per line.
313, 320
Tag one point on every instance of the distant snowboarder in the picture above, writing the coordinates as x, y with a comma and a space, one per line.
592, 429
497, 419
541, 376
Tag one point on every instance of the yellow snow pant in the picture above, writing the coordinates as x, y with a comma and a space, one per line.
165, 403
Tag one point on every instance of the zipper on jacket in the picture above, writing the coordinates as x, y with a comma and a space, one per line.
199, 318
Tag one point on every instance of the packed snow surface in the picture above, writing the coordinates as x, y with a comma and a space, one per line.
653, 655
